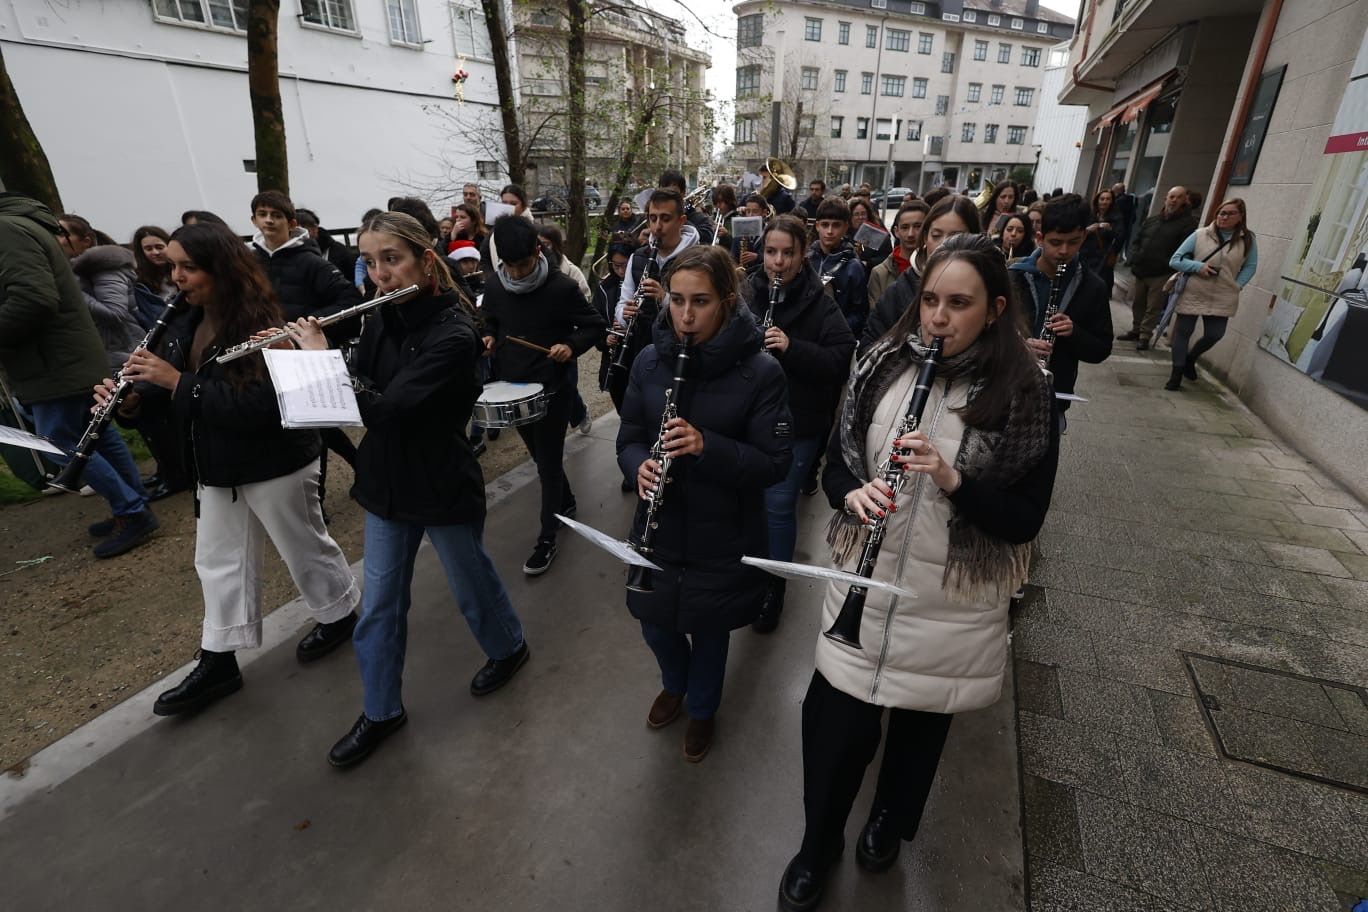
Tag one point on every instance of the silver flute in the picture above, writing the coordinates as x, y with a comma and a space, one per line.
246, 348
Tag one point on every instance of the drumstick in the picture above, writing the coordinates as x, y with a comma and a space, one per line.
532, 345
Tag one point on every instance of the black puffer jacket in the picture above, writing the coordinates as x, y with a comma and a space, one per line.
817, 362
554, 313
896, 299
232, 428
307, 284
417, 365
715, 511
1087, 302
605, 303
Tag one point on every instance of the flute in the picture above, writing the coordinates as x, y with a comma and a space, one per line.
246, 348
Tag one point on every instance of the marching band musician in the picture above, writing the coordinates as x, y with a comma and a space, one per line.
837, 262
252, 476
754, 207
673, 180
907, 226
980, 474
811, 340
780, 200
416, 474
724, 204
542, 306
730, 442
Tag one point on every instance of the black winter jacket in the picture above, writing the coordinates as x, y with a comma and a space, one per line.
417, 366
1087, 301
817, 362
891, 306
715, 512
1156, 241
849, 282
555, 313
308, 285
232, 428
605, 303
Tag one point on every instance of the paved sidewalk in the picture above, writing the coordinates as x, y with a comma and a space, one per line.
550, 794
1191, 663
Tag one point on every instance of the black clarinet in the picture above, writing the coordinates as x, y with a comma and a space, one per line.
1051, 308
69, 479
765, 324
651, 271
639, 578
846, 628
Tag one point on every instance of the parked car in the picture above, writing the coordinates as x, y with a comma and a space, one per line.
896, 195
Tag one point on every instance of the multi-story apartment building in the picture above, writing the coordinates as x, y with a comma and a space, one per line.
143, 110
636, 61
944, 92
1059, 128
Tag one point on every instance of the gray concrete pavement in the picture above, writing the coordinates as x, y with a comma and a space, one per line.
1192, 662
550, 794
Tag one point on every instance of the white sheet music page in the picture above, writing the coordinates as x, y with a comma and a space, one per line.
313, 388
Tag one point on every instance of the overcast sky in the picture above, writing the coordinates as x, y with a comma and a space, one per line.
717, 15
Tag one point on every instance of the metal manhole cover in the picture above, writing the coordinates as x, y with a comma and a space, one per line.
1307, 727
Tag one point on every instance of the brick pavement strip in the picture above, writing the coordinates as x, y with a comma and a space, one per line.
1181, 527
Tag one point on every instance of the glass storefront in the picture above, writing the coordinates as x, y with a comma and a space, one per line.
1158, 131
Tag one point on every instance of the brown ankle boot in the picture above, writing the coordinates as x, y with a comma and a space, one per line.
665, 709
698, 738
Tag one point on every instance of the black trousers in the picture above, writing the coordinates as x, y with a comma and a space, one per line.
336, 440
840, 737
545, 442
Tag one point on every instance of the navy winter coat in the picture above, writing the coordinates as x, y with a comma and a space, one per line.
714, 511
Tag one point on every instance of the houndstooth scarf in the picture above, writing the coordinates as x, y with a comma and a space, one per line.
976, 564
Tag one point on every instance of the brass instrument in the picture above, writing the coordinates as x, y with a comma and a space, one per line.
651, 271
252, 345
69, 478
846, 628
639, 578
985, 195
777, 174
719, 218
775, 285
1052, 308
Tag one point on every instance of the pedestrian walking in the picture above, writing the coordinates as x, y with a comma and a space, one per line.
1155, 242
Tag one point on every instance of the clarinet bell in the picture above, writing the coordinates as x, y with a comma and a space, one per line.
639, 579
69, 478
846, 628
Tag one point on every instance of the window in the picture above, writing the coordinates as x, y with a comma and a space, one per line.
862, 128
807, 125
843, 33
866, 83
747, 81
812, 29
840, 80
996, 97
970, 16
898, 40
942, 104
947, 62
879, 4
871, 36
403, 22
980, 50
836, 124
487, 170
975, 91
750, 30
990, 133
546, 17
883, 129
809, 79
914, 130
967, 133
950, 17
995, 20
1017, 23
1016, 136
935, 145
745, 130
1043, 28
469, 32
1024, 97
924, 42
1004, 53
224, 14
918, 9
919, 87
1030, 56
893, 85
332, 14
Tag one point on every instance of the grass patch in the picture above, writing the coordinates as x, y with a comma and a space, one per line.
15, 491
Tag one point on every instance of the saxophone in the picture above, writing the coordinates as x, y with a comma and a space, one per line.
639, 578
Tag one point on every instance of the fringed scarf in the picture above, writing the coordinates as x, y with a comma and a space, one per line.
977, 564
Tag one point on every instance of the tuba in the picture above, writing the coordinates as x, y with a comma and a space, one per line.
985, 196
777, 174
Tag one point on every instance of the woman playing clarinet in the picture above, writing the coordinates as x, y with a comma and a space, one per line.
979, 473
729, 442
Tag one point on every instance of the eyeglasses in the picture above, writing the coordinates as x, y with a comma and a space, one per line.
1224, 214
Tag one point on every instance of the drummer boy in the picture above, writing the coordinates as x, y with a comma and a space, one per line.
531, 301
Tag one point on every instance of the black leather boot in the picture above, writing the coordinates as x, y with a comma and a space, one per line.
1175, 380
879, 842
803, 884
771, 607
215, 676
364, 737
498, 672
324, 638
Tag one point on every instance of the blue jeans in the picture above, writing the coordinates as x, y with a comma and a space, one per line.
694, 670
111, 470
381, 635
781, 500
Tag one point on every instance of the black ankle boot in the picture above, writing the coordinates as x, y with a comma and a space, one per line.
324, 638
1190, 369
771, 607
1175, 380
802, 886
215, 676
879, 843
364, 737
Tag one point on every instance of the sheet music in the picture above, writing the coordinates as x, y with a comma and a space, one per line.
313, 388
871, 237
16, 437
619, 549
494, 210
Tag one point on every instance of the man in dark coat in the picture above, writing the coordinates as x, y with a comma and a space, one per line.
1082, 326
53, 356
816, 193
1125, 204
533, 302
1159, 236
333, 250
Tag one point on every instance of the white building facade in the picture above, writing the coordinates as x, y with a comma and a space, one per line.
142, 105
944, 92
1059, 128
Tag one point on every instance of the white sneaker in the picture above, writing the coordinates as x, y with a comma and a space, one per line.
87, 491
587, 424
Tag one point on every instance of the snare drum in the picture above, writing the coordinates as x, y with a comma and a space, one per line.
504, 404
